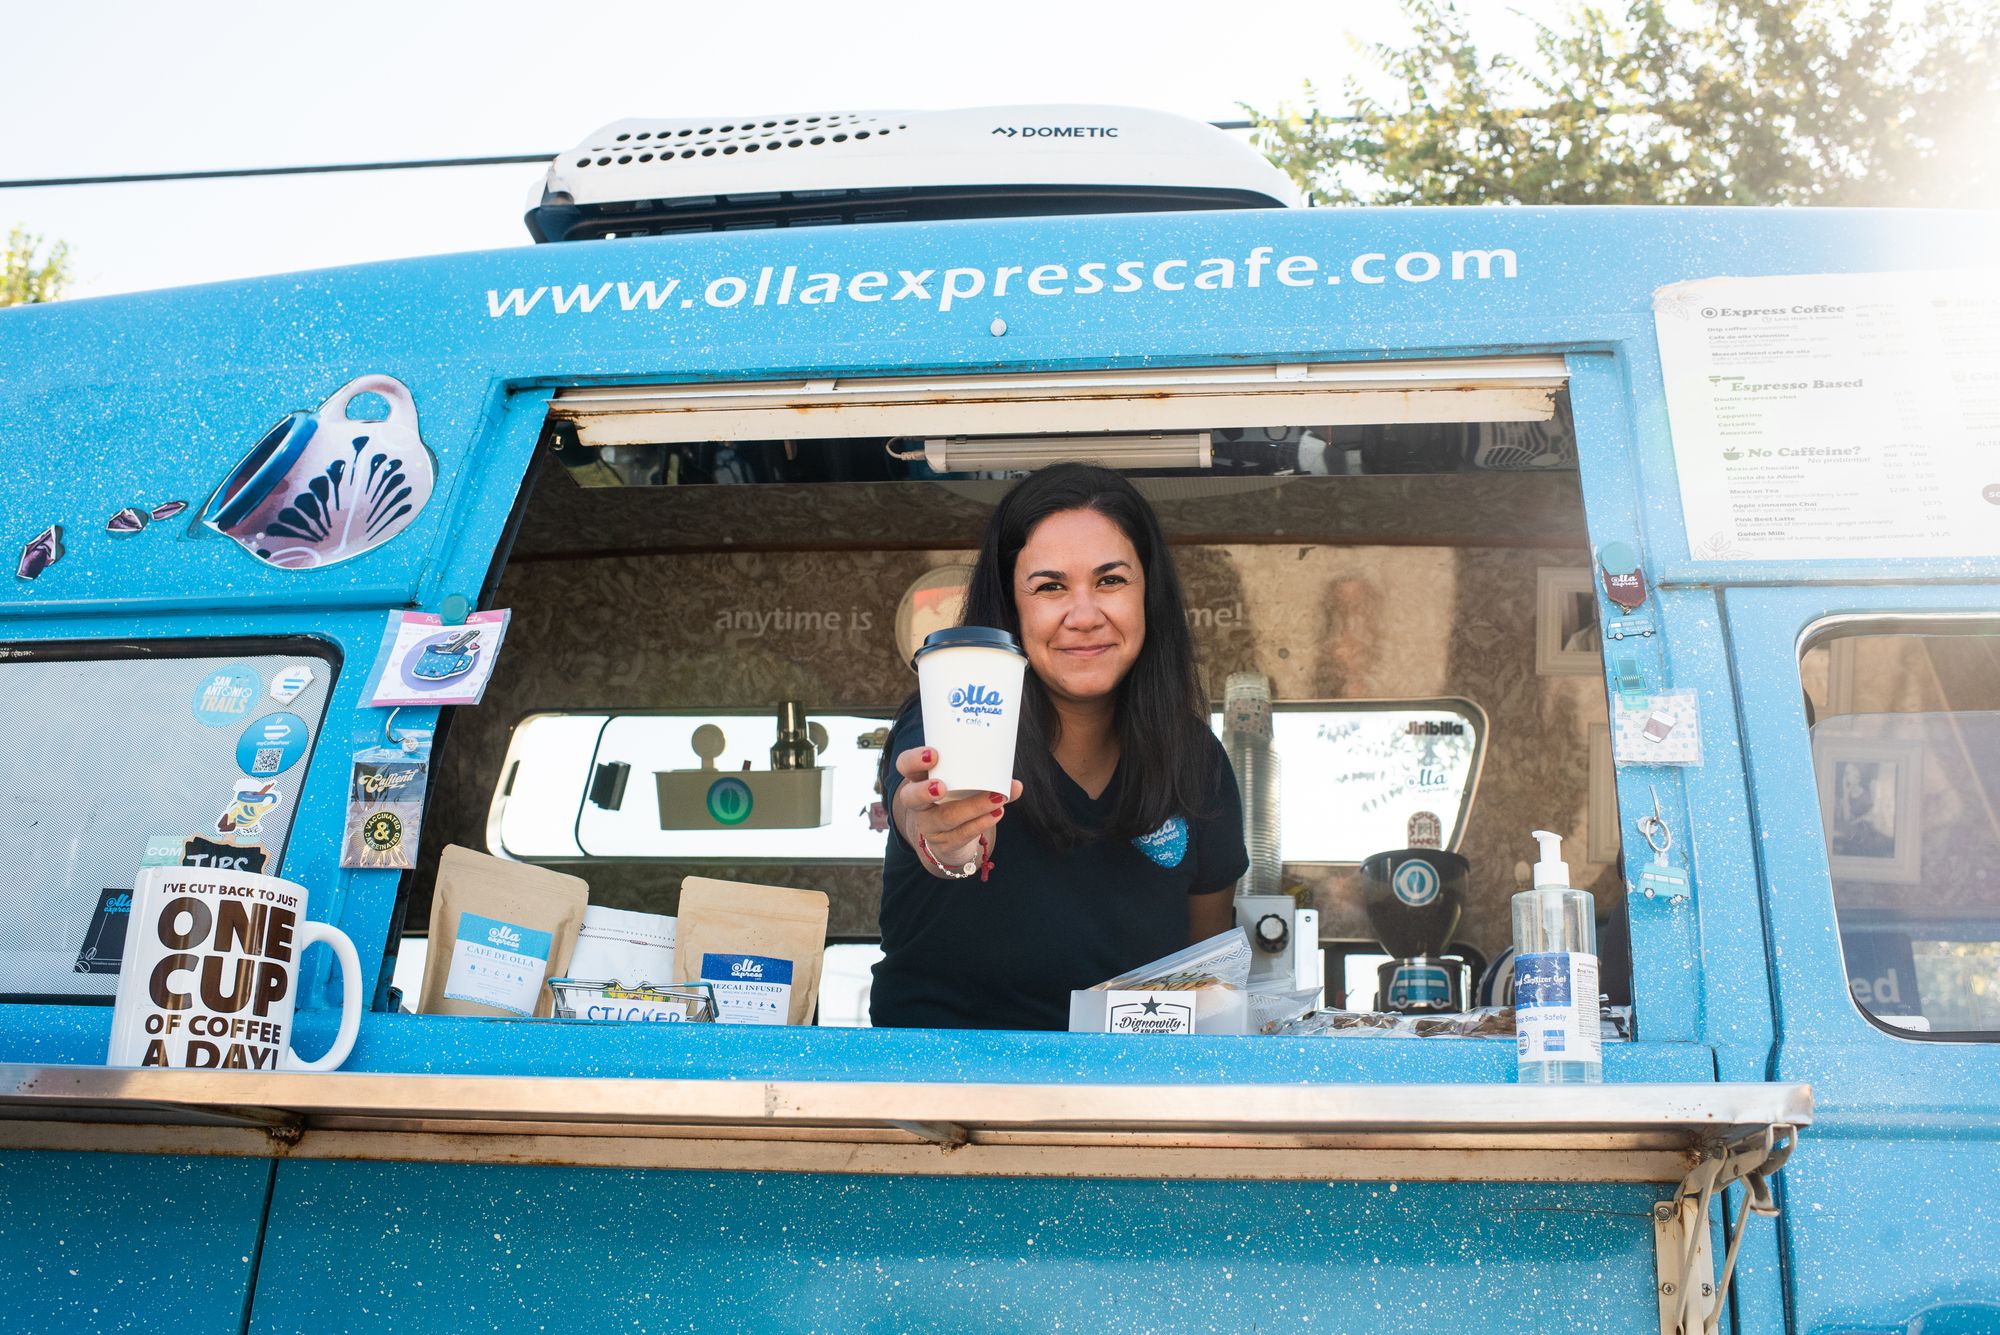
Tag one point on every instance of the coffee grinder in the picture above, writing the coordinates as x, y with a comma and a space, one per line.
1414, 897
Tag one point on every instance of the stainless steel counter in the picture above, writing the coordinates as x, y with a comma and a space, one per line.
1619, 1132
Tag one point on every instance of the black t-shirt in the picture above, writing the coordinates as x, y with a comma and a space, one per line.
1006, 953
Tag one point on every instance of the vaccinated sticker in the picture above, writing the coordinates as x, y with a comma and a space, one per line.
226, 695
498, 964
749, 989
272, 745
385, 804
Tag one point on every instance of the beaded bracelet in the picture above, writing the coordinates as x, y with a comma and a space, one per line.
984, 865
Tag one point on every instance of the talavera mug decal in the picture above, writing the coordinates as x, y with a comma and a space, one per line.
321, 487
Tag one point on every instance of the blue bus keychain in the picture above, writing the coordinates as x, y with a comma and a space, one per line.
1661, 879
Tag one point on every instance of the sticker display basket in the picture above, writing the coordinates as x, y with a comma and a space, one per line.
573, 997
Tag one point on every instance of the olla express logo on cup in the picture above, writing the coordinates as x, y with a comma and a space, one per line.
974, 701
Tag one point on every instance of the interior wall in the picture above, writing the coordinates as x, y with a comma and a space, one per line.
1322, 621
1928, 700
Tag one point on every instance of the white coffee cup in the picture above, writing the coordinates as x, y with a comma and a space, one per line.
212, 970
969, 678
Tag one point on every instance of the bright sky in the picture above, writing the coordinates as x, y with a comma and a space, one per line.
103, 88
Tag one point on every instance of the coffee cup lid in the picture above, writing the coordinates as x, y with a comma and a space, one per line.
968, 637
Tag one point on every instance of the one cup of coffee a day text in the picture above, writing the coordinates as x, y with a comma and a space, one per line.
969, 679
212, 970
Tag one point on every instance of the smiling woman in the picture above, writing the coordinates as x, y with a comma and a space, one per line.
1126, 832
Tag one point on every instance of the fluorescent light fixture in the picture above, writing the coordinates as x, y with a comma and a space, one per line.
1004, 454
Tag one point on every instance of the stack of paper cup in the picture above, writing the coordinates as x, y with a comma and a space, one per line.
969, 678
1246, 735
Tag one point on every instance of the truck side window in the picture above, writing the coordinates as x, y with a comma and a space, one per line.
583, 785
1906, 757
128, 754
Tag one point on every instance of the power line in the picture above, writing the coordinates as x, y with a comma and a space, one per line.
238, 173
146, 178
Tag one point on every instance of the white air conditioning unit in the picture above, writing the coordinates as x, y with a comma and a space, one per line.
642, 177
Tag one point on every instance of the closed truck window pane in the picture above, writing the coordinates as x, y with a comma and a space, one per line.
1906, 757
123, 755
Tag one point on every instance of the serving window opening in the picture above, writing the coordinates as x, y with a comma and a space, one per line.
1399, 549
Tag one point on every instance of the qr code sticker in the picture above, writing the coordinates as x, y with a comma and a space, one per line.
270, 759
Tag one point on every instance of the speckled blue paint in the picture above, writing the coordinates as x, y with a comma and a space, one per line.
128, 1242
132, 400
433, 1247
1905, 1168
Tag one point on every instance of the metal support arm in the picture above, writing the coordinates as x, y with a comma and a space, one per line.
1689, 1292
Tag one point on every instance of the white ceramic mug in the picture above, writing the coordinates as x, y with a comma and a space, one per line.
969, 678
212, 970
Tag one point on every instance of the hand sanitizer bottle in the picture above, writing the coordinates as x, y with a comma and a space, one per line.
1555, 976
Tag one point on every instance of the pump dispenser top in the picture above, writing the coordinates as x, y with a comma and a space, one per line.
1551, 872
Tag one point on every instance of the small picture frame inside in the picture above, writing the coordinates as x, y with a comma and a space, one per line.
1870, 801
1568, 641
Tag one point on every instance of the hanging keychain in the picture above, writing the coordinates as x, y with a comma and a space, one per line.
385, 800
1661, 879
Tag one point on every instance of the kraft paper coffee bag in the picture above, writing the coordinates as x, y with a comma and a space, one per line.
499, 930
760, 946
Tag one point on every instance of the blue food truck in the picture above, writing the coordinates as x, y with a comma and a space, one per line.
721, 450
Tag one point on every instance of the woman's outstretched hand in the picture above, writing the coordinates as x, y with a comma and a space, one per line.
950, 829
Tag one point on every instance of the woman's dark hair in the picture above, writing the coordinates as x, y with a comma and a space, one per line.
1166, 755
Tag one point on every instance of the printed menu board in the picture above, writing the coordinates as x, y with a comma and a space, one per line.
1835, 415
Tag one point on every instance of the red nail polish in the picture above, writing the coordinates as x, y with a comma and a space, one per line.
996, 797
937, 790
930, 757
997, 811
